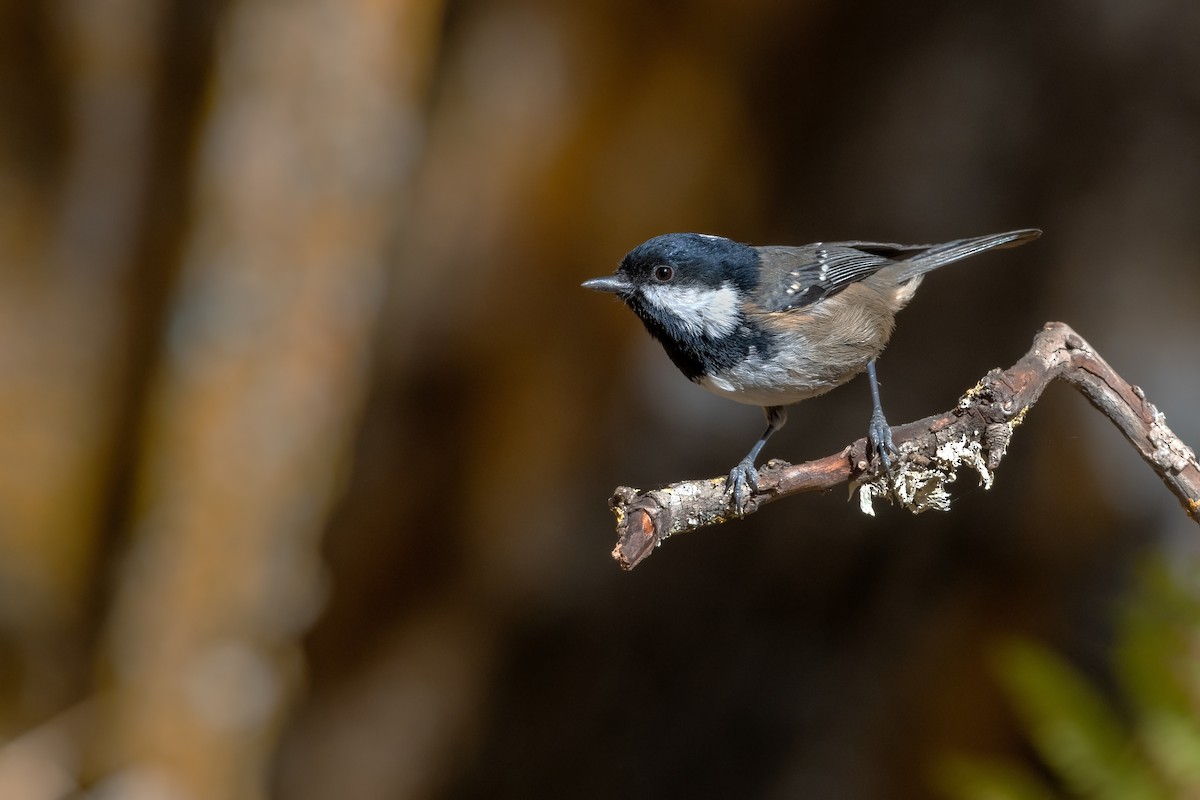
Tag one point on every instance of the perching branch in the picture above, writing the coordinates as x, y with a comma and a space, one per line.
974, 433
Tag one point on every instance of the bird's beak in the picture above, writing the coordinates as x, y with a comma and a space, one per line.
617, 284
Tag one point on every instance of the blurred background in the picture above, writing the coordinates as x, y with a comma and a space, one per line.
308, 429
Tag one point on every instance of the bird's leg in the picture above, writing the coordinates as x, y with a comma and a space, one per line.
744, 474
879, 434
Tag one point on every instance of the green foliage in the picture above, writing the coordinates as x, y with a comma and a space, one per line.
981, 779
1148, 749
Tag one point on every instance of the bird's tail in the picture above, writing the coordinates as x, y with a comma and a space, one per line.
939, 255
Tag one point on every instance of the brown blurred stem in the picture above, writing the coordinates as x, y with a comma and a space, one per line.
975, 432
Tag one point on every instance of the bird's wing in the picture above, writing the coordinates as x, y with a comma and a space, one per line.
794, 277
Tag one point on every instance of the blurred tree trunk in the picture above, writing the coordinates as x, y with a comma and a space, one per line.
296, 194
76, 104
220, 476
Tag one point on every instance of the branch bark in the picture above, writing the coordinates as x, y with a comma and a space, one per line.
975, 433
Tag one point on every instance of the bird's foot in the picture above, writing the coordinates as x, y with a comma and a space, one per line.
879, 440
743, 481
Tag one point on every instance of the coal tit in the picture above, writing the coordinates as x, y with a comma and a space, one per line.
771, 326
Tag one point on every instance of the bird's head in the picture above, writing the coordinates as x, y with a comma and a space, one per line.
685, 286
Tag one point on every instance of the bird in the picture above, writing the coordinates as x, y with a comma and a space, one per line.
773, 325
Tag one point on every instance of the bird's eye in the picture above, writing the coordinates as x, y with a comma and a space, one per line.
663, 274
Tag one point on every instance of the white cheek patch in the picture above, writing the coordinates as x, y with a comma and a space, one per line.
700, 309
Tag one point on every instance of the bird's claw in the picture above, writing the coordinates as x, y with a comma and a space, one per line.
743, 480
879, 439
879, 442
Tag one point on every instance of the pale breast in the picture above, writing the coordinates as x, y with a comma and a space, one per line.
789, 376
